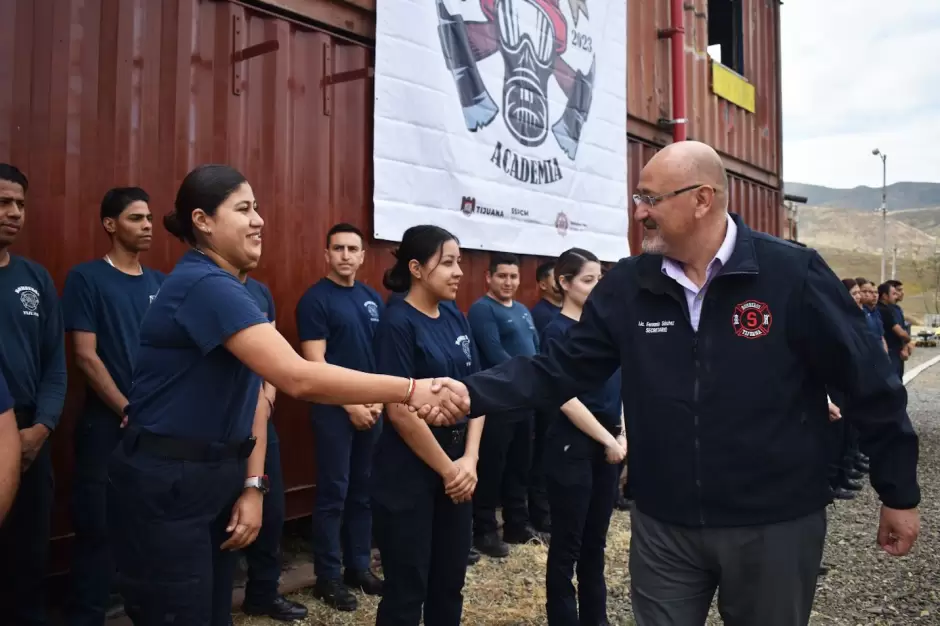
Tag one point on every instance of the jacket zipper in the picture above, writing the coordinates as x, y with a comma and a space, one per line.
698, 451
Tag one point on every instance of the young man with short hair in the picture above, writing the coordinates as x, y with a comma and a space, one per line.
909, 345
503, 329
869, 292
32, 360
892, 318
104, 302
336, 321
549, 304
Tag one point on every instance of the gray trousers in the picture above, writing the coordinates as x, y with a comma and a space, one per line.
765, 575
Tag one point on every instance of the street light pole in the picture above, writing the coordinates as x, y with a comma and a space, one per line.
884, 208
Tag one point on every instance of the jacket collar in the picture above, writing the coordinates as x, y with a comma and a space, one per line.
742, 261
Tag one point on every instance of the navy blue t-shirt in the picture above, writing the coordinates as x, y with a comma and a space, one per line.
542, 313
396, 297
891, 315
875, 324
262, 295
346, 317
6, 400
32, 340
186, 384
502, 332
604, 403
103, 300
410, 344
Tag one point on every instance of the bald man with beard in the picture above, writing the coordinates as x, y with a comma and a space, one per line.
728, 339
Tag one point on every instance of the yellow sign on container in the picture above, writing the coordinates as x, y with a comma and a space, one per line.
732, 87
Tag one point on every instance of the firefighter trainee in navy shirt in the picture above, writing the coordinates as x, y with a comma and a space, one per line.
263, 556
32, 359
104, 302
503, 328
549, 304
186, 484
336, 322
423, 478
584, 447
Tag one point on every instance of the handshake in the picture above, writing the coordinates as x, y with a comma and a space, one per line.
440, 401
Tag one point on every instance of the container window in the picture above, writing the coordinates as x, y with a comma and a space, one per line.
726, 33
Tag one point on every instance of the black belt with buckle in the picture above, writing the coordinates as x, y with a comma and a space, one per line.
186, 449
450, 436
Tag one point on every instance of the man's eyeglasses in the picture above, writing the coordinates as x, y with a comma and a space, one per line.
651, 201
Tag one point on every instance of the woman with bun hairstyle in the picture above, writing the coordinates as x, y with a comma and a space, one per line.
584, 446
186, 483
423, 478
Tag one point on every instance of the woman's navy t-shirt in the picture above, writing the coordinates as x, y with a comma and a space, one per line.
410, 344
604, 403
186, 384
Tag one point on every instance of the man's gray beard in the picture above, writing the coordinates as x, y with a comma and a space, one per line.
654, 245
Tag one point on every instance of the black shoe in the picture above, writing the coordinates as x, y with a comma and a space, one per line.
366, 582
853, 474
862, 466
520, 536
841, 493
335, 594
282, 609
491, 545
474, 557
851, 485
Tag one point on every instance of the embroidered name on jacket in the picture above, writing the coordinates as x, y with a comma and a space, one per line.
657, 327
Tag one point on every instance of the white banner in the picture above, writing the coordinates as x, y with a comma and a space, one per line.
504, 121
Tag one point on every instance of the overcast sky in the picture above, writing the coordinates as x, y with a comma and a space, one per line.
861, 74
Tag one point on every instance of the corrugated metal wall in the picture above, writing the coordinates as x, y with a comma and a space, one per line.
99, 93
750, 138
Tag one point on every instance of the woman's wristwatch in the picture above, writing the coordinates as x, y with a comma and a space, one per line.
260, 483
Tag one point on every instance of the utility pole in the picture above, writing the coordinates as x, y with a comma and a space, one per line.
894, 263
884, 208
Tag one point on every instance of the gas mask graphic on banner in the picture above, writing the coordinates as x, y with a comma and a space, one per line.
532, 37
526, 41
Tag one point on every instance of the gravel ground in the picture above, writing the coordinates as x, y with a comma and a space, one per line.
863, 587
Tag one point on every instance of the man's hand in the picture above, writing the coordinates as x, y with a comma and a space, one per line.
245, 521
463, 482
898, 530
835, 413
376, 410
31, 440
440, 401
361, 416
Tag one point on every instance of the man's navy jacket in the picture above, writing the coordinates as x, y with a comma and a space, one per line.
726, 424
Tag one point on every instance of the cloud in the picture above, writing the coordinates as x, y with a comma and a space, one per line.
860, 74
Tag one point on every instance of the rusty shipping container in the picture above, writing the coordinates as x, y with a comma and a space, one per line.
98, 93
